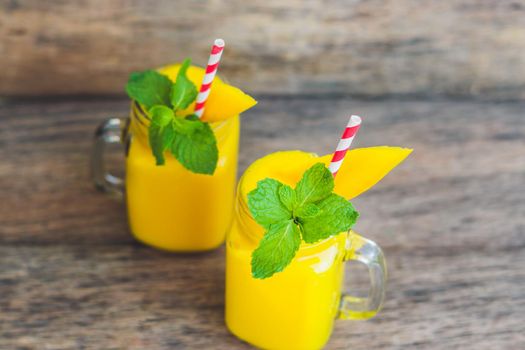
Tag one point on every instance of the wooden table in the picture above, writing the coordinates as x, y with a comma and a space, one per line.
451, 221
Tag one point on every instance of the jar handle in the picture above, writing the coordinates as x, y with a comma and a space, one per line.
112, 130
367, 252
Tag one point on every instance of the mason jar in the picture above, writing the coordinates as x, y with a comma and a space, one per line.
295, 308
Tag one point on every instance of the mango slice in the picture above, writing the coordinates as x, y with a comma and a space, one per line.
364, 167
225, 101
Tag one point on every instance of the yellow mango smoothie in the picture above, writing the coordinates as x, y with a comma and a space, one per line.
172, 206
166, 204
295, 309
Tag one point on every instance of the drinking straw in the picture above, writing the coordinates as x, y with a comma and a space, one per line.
344, 144
211, 70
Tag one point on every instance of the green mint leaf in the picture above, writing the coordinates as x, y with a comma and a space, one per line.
183, 92
317, 183
308, 211
149, 88
276, 249
265, 204
287, 196
196, 150
337, 215
160, 131
187, 125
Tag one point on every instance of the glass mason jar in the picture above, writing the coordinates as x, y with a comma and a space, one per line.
296, 308
170, 207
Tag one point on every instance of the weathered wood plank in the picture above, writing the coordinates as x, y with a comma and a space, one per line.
46, 185
64, 297
472, 48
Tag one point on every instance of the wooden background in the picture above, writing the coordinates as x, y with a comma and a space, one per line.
370, 48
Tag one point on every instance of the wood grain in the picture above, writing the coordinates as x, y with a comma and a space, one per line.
468, 48
450, 221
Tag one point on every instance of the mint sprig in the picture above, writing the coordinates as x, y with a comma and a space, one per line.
310, 212
190, 140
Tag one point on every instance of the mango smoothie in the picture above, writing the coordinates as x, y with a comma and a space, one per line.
166, 204
295, 309
169, 206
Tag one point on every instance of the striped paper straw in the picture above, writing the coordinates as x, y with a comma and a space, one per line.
344, 144
211, 70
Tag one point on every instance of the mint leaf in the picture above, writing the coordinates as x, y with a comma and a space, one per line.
337, 215
287, 196
187, 125
160, 132
317, 183
183, 92
307, 211
197, 150
276, 249
149, 88
265, 205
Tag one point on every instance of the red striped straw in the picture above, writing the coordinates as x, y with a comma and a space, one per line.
344, 144
211, 70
